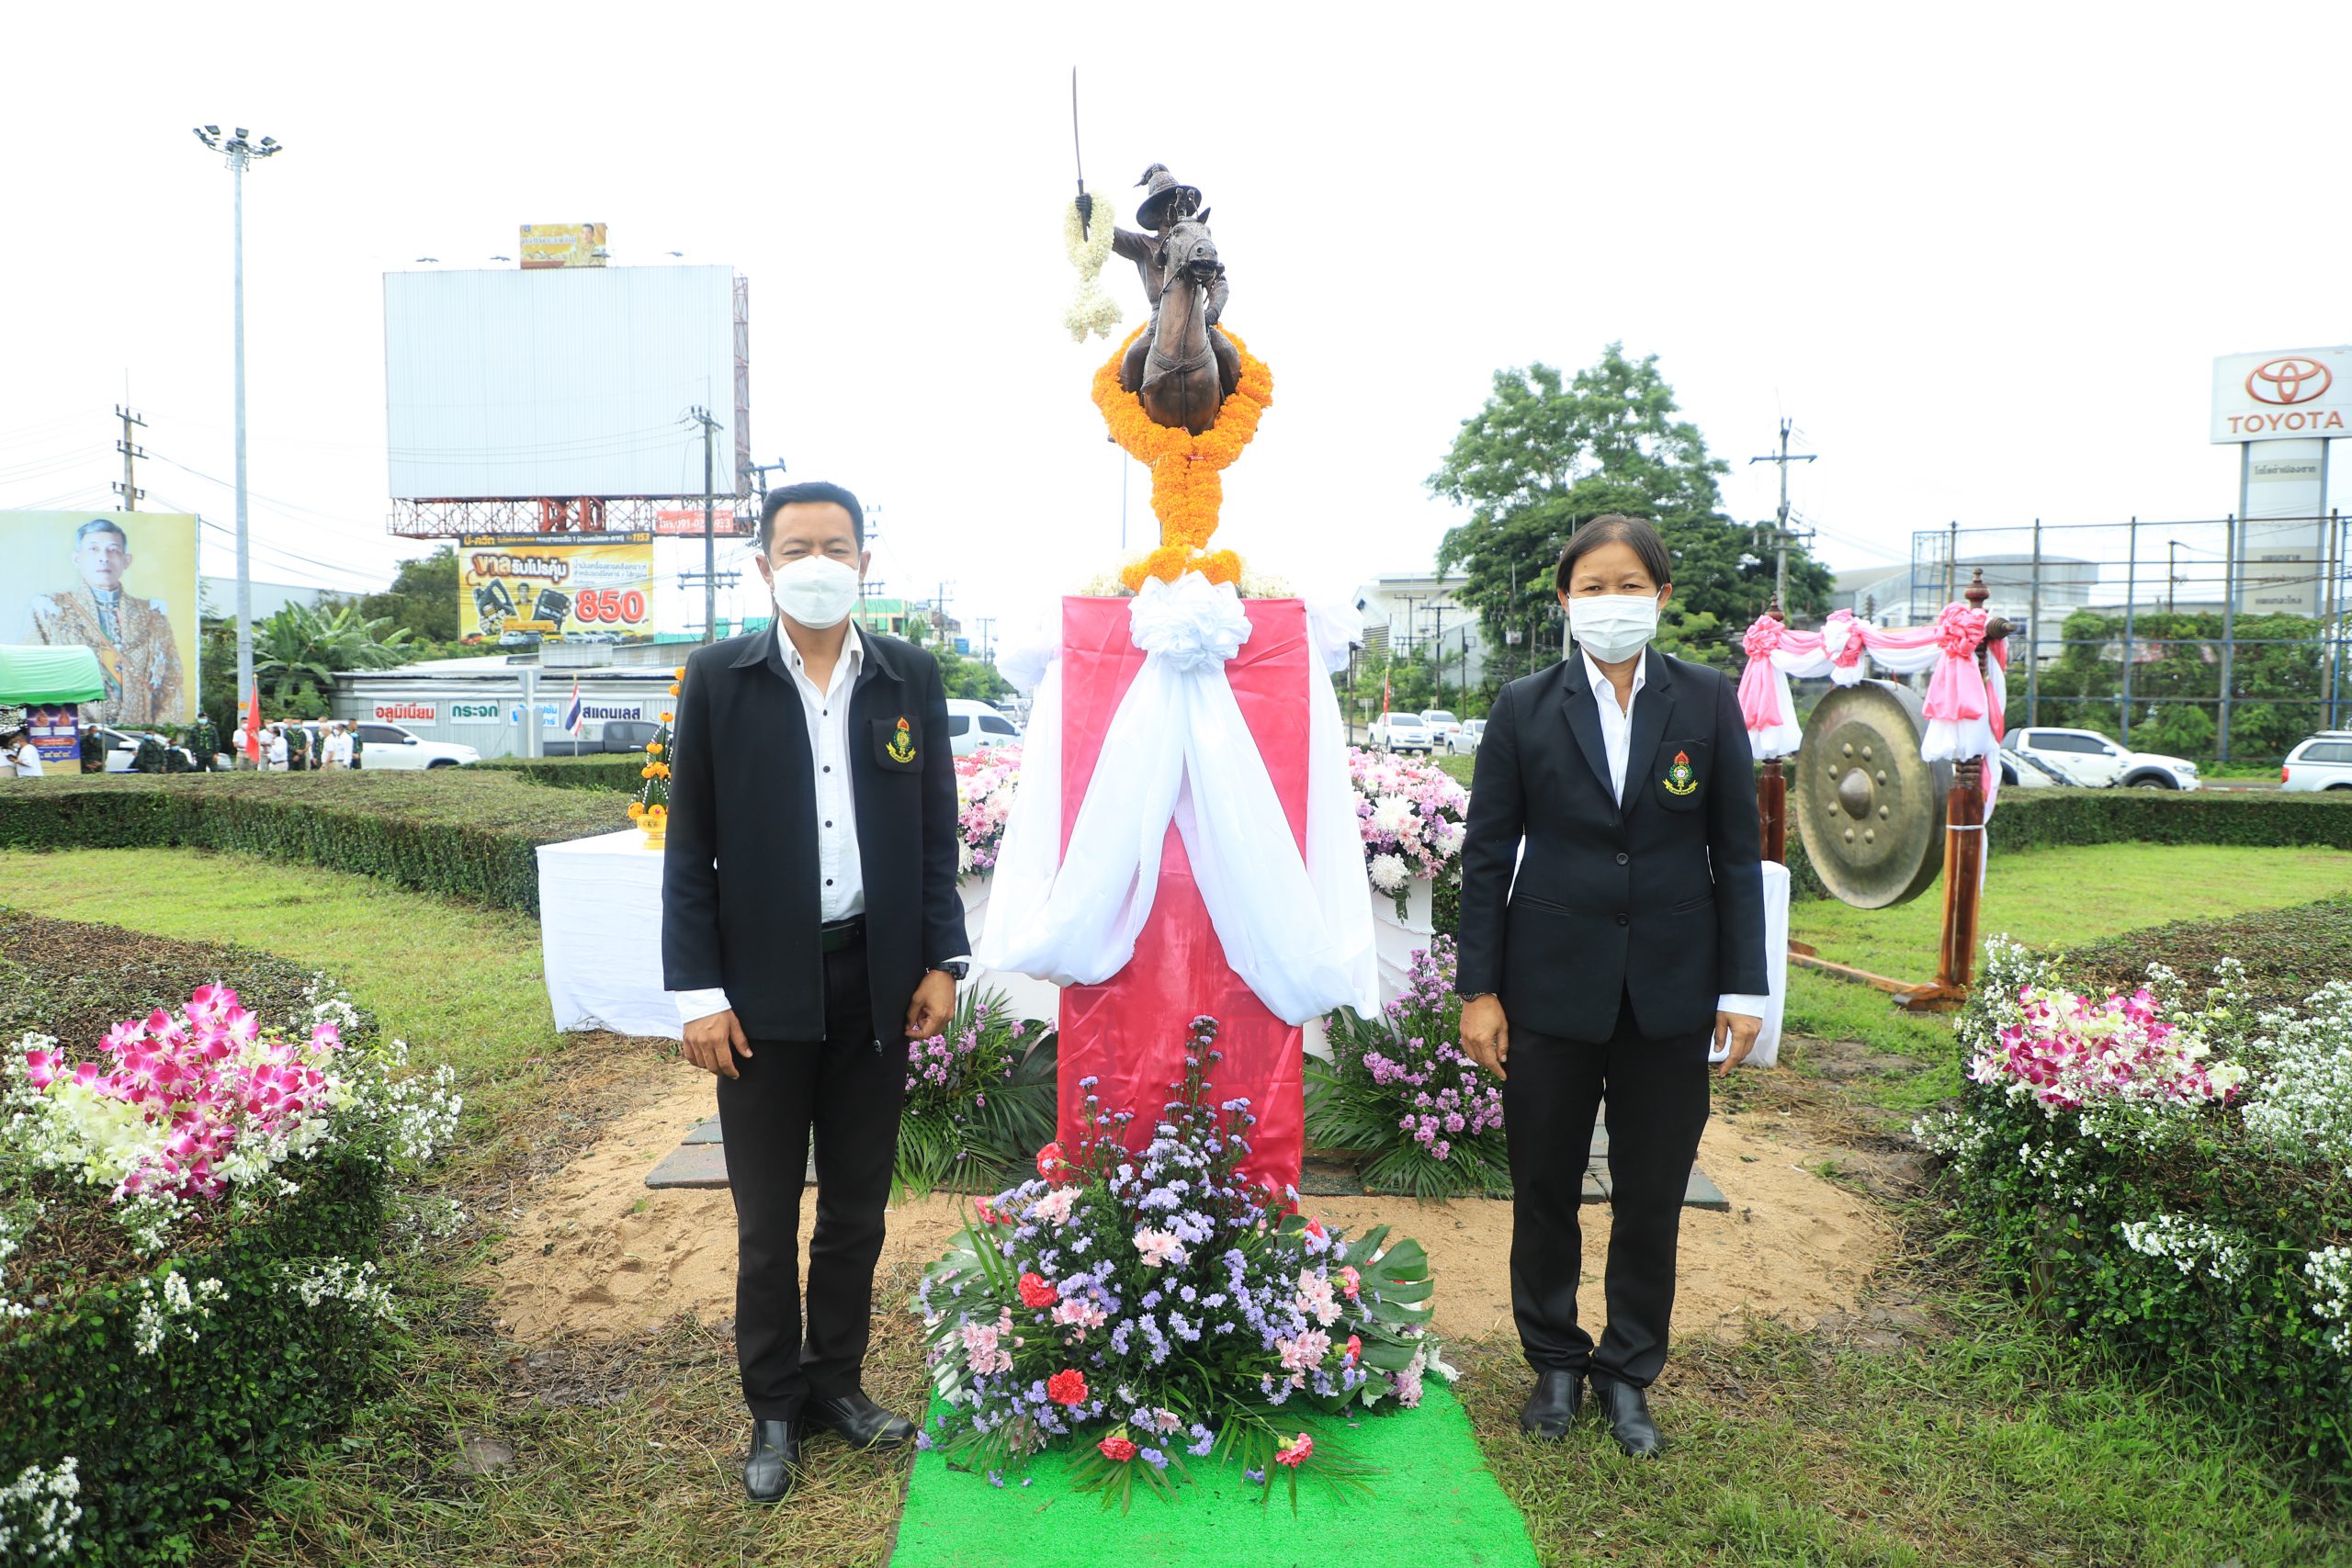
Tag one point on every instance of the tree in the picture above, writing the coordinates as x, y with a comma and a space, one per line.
1545, 455
422, 599
298, 651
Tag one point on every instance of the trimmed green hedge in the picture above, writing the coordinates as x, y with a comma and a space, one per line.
622, 771
165, 1441
2028, 819
460, 832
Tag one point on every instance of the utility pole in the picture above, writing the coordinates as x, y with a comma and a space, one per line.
128, 486
762, 471
1437, 637
701, 416
984, 623
239, 152
1780, 535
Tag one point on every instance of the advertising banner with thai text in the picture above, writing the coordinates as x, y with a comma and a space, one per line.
516, 589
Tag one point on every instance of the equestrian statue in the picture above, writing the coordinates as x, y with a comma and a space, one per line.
1183, 368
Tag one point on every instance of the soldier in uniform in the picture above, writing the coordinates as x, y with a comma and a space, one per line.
132, 637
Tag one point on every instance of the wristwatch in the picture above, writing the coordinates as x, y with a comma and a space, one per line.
954, 969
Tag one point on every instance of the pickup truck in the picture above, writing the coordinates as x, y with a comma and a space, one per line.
620, 735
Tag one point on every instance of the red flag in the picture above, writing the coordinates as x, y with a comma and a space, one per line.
253, 728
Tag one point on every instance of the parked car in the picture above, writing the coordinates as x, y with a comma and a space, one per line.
1465, 736
2087, 757
2322, 762
122, 748
618, 734
1397, 732
2021, 771
391, 746
973, 725
1441, 724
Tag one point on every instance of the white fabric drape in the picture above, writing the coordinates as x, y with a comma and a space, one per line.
1296, 927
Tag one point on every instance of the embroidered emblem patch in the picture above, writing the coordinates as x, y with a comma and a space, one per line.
902, 744
1679, 779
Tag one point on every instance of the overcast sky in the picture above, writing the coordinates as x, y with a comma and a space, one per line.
1982, 255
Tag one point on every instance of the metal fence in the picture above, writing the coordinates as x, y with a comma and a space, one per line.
2222, 638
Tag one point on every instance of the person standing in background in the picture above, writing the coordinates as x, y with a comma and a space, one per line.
19, 758
276, 753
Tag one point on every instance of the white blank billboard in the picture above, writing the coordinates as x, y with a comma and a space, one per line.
567, 382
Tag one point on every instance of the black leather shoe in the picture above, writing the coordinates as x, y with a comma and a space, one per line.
774, 1463
861, 1422
1552, 1408
1628, 1410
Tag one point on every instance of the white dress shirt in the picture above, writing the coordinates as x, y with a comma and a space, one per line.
841, 892
1616, 738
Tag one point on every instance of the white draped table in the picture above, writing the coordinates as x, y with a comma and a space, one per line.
600, 931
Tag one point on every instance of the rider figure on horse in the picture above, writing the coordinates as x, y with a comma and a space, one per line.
1166, 204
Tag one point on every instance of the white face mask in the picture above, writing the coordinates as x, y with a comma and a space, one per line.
817, 591
1613, 626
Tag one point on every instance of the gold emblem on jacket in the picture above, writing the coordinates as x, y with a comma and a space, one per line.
902, 744
1681, 779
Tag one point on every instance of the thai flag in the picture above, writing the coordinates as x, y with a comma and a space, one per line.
572, 713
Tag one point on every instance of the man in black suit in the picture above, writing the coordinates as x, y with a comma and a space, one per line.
808, 908
1605, 962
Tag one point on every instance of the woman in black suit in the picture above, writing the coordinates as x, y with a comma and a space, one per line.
1605, 959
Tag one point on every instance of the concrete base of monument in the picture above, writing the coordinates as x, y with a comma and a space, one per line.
700, 1163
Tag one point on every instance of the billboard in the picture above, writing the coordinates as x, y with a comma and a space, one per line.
2282, 395
569, 381
563, 244
512, 587
121, 584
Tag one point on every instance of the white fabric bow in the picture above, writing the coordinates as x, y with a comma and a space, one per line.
1296, 928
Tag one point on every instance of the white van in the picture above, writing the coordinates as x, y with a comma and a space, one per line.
973, 725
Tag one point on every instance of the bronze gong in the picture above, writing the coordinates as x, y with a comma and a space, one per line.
1869, 810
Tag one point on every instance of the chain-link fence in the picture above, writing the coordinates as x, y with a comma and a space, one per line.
2218, 639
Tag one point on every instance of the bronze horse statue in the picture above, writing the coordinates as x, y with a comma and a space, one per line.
1183, 368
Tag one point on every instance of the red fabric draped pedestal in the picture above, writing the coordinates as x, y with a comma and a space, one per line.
1129, 1032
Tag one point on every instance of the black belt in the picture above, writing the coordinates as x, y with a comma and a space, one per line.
837, 934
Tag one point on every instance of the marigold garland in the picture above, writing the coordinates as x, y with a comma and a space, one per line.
1186, 491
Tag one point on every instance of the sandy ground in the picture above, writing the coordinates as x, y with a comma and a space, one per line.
591, 1251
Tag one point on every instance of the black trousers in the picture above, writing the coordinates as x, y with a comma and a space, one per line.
846, 1089
1657, 1094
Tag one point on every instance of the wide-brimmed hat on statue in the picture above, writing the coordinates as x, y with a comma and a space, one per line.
1166, 192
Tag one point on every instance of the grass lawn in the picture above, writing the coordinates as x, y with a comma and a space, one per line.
2065, 897
1973, 1438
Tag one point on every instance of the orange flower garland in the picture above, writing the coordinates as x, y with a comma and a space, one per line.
1185, 489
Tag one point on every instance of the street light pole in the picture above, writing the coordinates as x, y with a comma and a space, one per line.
239, 152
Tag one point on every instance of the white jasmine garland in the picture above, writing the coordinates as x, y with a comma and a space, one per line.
1088, 245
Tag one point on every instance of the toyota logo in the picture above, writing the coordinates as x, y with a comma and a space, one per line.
2293, 379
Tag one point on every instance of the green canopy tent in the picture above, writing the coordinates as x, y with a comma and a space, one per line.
36, 672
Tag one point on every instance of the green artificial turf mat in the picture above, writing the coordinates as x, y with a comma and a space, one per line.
1433, 1502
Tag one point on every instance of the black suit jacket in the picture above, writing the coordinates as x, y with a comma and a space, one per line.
739, 899
1658, 897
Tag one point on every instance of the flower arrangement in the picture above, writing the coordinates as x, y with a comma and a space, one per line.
979, 1097
2170, 1172
2066, 1053
651, 809
1186, 491
1112, 584
1087, 242
1411, 816
1399, 1089
1155, 1306
985, 782
185, 1112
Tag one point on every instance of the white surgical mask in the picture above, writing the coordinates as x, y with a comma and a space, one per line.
816, 591
1613, 626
